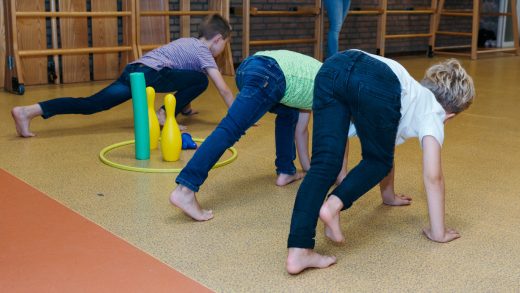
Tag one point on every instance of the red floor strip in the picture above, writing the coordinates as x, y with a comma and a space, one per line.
46, 247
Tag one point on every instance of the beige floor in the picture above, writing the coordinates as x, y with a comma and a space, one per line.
243, 249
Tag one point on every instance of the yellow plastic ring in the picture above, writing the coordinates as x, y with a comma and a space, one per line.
104, 151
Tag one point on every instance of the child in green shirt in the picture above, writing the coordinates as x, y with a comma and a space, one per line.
280, 82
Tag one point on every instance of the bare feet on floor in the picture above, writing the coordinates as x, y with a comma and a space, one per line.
185, 199
22, 118
396, 200
329, 215
299, 259
161, 116
188, 111
284, 179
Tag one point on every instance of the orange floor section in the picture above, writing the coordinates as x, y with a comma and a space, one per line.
45, 246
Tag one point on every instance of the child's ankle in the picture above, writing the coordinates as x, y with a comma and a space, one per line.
183, 188
334, 203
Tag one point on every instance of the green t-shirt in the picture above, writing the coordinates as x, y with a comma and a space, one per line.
300, 71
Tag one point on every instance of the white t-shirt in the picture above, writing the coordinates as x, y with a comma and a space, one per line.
421, 114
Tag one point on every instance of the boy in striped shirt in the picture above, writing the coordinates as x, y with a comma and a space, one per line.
182, 66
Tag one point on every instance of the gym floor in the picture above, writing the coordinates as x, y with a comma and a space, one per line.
68, 222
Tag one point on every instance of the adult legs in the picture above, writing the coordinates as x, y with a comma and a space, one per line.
346, 7
337, 11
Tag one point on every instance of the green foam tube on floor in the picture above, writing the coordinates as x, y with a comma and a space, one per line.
140, 106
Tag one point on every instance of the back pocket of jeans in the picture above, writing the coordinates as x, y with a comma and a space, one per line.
324, 88
380, 107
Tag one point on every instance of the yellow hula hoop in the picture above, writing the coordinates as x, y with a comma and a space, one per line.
104, 151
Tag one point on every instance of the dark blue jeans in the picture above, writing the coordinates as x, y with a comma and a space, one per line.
262, 85
350, 86
188, 85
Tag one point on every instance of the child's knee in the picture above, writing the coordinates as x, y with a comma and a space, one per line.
204, 81
384, 168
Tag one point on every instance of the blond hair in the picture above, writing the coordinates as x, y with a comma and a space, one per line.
452, 86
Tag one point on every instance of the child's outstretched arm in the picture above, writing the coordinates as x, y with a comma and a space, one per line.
434, 185
221, 85
301, 137
386, 186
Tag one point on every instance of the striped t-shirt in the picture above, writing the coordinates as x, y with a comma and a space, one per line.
183, 53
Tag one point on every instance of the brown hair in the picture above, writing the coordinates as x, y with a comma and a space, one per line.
213, 25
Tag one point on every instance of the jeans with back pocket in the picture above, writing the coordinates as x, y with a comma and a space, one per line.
350, 86
262, 86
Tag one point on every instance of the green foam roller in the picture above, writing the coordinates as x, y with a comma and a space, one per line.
141, 130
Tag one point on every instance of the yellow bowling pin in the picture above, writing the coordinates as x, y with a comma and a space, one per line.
153, 122
171, 141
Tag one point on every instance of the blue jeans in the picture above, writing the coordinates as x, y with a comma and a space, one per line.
350, 86
262, 85
188, 85
337, 11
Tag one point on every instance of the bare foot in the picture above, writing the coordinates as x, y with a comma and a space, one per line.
449, 235
299, 259
184, 198
22, 118
284, 179
161, 116
329, 214
188, 111
397, 200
